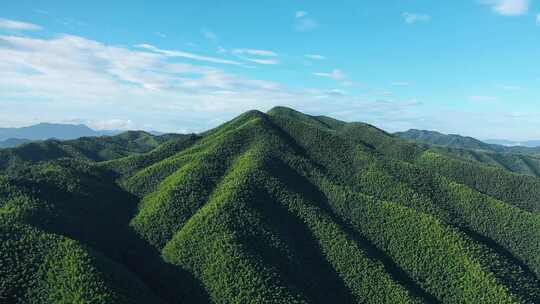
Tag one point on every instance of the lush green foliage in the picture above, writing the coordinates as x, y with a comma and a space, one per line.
86, 148
267, 208
517, 159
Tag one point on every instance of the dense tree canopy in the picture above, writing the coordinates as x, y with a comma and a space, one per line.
276, 207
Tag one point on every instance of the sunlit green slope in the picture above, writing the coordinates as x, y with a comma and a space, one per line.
276, 207
523, 160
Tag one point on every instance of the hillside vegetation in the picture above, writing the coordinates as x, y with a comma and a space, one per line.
518, 159
277, 207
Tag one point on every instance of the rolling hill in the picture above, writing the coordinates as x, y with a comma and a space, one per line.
276, 207
465, 142
13, 142
518, 159
446, 140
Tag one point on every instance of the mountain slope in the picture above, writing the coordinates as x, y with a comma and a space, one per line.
275, 208
462, 142
13, 142
523, 160
450, 140
87, 148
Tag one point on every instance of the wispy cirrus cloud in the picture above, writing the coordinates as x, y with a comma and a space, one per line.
188, 55
257, 56
262, 61
8, 24
70, 74
255, 52
107, 86
508, 7
412, 18
315, 56
336, 74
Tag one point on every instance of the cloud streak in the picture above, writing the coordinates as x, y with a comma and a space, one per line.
261, 56
412, 18
171, 53
315, 56
18, 25
336, 74
264, 53
508, 7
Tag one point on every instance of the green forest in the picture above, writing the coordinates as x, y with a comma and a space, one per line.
276, 207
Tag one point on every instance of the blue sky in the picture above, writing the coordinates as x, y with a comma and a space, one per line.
470, 67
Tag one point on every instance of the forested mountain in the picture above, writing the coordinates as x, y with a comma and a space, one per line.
13, 142
447, 140
85, 148
464, 142
518, 159
276, 207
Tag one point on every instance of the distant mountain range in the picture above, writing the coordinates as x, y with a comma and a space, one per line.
509, 143
44, 131
464, 142
12, 137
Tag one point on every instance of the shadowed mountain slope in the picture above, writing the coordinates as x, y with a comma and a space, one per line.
276, 207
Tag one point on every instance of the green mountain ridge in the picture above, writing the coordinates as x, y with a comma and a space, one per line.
518, 159
276, 207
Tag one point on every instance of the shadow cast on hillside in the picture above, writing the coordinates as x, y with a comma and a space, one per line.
98, 216
300, 184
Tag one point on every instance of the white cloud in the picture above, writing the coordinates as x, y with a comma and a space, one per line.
538, 19
411, 18
18, 25
261, 56
264, 53
113, 124
315, 56
52, 79
262, 61
188, 55
336, 93
336, 74
482, 98
301, 14
508, 7
58, 77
